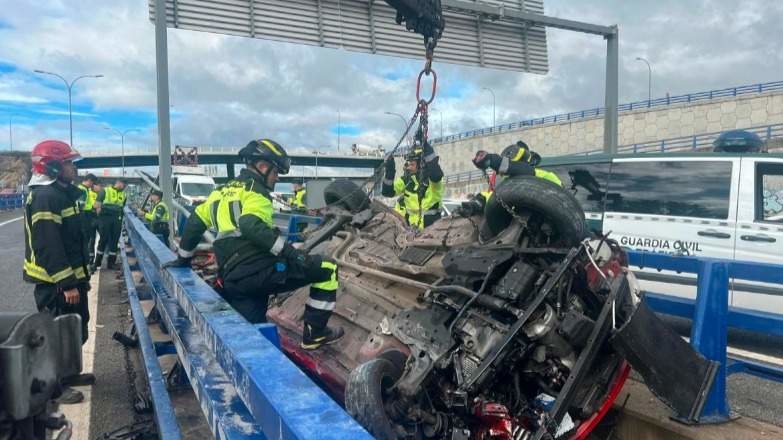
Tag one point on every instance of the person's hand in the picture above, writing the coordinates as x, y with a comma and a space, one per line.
71, 296
427, 150
390, 166
293, 255
141, 212
179, 262
480, 160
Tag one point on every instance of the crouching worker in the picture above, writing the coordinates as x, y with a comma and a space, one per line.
515, 160
254, 259
157, 218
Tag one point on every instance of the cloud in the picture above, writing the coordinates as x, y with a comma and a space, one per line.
226, 90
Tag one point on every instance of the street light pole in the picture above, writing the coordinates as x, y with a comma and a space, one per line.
122, 141
404, 122
69, 86
493, 103
649, 78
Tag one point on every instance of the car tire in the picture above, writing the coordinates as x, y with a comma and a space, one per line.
364, 396
557, 206
346, 194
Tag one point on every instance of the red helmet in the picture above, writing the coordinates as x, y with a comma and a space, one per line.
48, 157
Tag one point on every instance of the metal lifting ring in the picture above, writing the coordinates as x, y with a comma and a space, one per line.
434, 86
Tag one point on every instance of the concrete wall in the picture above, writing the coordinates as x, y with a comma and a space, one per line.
635, 126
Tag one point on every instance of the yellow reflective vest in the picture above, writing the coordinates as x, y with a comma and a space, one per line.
430, 202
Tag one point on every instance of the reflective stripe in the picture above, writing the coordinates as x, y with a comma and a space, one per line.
518, 156
213, 212
321, 305
46, 215
331, 284
432, 212
228, 234
277, 247
68, 212
430, 157
271, 147
388, 182
185, 254
236, 212
40, 273
79, 272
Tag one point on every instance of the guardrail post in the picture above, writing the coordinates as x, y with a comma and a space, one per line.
709, 333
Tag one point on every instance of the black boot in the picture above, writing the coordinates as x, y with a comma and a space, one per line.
111, 261
97, 263
70, 396
313, 339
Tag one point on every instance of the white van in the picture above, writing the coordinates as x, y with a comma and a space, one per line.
191, 185
719, 205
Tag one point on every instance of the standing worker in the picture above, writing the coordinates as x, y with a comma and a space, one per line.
157, 218
515, 160
298, 200
109, 205
55, 258
254, 259
421, 185
87, 204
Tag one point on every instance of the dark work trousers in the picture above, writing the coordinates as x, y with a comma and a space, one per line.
250, 295
50, 299
90, 227
110, 227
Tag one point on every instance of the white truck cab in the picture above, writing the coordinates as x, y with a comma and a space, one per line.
191, 185
720, 205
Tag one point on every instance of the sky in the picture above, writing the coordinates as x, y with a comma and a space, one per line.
227, 90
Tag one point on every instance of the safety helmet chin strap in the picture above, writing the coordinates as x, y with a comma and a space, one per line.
270, 166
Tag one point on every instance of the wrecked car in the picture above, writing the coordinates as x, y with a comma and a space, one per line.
512, 325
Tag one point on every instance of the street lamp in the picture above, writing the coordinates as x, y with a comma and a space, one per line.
69, 86
493, 103
649, 78
404, 122
122, 140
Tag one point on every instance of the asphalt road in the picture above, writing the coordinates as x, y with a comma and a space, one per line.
15, 294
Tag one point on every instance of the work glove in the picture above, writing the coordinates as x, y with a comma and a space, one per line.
472, 207
427, 150
484, 160
293, 255
390, 167
179, 262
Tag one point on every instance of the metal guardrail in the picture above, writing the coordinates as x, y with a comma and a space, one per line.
684, 144
712, 316
246, 386
600, 111
11, 201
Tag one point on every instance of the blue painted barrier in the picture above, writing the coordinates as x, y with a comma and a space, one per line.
233, 368
11, 201
712, 316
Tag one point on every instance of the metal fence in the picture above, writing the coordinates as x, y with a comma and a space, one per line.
247, 388
712, 316
684, 144
600, 111
11, 201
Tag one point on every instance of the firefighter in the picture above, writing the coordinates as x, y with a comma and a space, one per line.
157, 218
515, 160
55, 249
297, 201
109, 205
421, 185
254, 259
86, 204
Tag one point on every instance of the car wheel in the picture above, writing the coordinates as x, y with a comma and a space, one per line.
367, 392
555, 205
346, 194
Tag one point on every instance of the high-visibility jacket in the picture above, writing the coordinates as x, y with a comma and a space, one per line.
112, 201
87, 199
298, 200
430, 201
399, 206
158, 214
541, 174
241, 211
55, 246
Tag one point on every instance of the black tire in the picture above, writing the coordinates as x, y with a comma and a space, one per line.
364, 396
555, 205
346, 194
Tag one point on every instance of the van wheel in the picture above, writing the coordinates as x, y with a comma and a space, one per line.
543, 199
367, 393
346, 194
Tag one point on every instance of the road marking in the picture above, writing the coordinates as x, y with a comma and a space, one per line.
79, 414
11, 221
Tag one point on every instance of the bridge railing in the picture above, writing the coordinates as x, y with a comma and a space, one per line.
684, 144
600, 111
247, 388
712, 316
11, 201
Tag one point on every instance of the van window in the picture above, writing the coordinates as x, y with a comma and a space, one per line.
193, 189
769, 186
687, 189
586, 181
